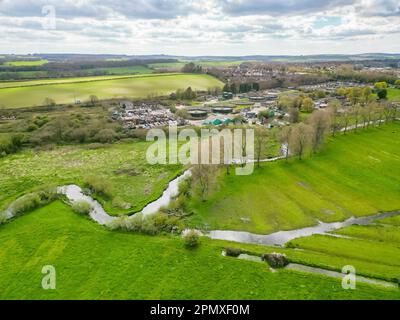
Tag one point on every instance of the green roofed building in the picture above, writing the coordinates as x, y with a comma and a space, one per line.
217, 122
228, 121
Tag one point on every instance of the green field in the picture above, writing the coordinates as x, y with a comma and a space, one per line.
370, 255
123, 165
180, 65
394, 94
129, 70
50, 81
93, 263
356, 174
26, 63
122, 70
32, 94
167, 65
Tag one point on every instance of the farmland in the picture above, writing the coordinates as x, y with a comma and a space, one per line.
26, 63
339, 182
92, 262
132, 87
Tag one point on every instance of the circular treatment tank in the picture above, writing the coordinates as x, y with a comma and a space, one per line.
197, 113
223, 110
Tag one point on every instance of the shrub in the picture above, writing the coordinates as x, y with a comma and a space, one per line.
275, 260
33, 201
100, 186
11, 143
81, 207
121, 204
79, 135
191, 238
233, 252
151, 224
105, 136
3, 218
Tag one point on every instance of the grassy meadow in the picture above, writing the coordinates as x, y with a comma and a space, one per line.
124, 165
355, 174
94, 263
370, 251
393, 94
26, 63
33, 93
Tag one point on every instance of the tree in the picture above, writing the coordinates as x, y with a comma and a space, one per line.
320, 122
49, 102
300, 138
380, 85
307, 105
203, 178
380, 112
192, 68
189, 94
382, 94
397, 83
333, 110
320, 94
284, 138
364, 115
93, 99
355, 95
226, 88
191, 238
233, 88
355, 112
367, 94
294, 115
345, 117
261, 138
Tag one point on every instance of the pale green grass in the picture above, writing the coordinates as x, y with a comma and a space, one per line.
93, 263
27, 170
372, 257
51, 81
380, 233
130, 87
355, 174
394, 94
26, 63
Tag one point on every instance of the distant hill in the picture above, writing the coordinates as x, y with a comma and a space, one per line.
264, 58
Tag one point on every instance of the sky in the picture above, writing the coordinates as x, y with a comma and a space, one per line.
200, 27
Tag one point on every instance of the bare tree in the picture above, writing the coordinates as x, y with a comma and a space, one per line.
345, 119
364, 116
380, 112
261, 138
93, 99
300, 139
284, 138
320, 122
294, 115
333, 111
355, 111
203, 178
49, 102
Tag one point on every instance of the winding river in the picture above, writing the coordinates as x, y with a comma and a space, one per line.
74, 193
280, 238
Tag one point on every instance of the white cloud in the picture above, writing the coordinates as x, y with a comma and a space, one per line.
210, 27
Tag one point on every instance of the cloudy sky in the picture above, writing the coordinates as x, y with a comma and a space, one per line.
200, 27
